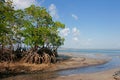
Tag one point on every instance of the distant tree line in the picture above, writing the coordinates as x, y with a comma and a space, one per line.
32, 27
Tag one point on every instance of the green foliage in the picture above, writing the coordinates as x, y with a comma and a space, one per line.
32, 26
6, 22
42, 29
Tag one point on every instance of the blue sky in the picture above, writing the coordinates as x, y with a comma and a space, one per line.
90, 24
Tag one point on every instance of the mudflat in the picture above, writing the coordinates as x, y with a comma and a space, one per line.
65, 61
104, 75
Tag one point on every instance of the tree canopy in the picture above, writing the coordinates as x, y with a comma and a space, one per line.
32, 26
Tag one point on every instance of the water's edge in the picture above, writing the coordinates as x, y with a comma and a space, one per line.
113, 63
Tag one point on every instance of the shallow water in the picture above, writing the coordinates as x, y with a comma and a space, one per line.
113, 63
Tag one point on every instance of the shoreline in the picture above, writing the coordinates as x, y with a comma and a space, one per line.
78, 61
70, 61
103, 75
111, 74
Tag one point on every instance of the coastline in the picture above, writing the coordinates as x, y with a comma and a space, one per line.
66, 61
80, 60
103, 75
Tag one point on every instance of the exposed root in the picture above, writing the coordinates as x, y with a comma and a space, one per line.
37, 56
42, 56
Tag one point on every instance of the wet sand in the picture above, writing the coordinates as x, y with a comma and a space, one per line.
104, 75
65, 61
77, 61
72, 61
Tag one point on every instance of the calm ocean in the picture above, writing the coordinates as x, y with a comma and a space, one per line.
111, 52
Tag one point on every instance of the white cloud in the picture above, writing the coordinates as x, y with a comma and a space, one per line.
53, 11
75, 39
75, 17
21, 4
75, 31
65, 32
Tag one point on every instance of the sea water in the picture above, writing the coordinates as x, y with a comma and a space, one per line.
113, 63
